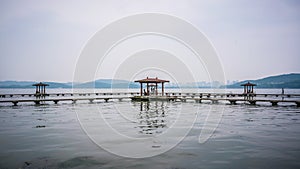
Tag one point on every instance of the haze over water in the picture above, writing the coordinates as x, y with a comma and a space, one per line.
50, 136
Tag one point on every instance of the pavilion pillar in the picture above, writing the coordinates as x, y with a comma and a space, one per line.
147, 88
36, 89
156, 92
141, 89
248, 88
162, 88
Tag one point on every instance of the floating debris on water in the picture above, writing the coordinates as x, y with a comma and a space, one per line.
156, 146
40, 126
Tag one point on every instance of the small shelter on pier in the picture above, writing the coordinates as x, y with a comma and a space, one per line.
248, 87
152, 82
40, 88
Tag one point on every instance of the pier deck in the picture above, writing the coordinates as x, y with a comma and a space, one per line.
232, 98
56, 100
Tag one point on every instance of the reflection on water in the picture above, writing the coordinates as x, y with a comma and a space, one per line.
152, 117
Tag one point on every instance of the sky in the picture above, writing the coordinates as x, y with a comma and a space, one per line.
42, 40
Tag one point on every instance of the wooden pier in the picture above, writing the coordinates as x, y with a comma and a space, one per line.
231, 98
56, 100
64, 97
65, 94
248, 96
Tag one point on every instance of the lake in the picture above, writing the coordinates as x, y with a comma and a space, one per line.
126, 134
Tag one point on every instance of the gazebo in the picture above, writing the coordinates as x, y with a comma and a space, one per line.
40, 88
152, 82
248, 87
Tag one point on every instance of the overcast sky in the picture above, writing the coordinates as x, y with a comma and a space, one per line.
42, 40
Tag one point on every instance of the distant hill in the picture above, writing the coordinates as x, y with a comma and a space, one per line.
28, 84
280, 81
107, 83
16, 84
101, 83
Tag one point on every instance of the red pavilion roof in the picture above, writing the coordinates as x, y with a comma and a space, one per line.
152, 80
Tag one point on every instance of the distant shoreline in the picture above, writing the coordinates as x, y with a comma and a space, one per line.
287, 81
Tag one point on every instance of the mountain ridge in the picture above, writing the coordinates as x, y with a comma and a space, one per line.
291, 80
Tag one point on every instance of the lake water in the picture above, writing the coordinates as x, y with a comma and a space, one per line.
125, 134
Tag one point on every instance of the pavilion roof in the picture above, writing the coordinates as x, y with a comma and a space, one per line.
152, 80
40, 84
248, 84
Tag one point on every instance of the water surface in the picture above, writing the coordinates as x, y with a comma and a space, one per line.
50, 136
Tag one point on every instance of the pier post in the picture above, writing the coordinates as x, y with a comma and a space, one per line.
274, 103
15, 103
37, 102
214, 101
252, 102
232, 101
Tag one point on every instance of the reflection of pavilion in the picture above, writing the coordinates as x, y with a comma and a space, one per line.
152, 117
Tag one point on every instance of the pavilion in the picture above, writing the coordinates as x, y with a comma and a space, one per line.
152, 82
40, 88
248, 87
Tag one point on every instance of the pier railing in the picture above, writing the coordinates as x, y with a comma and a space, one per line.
67, 94
231, 95
137, 93
233, 98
